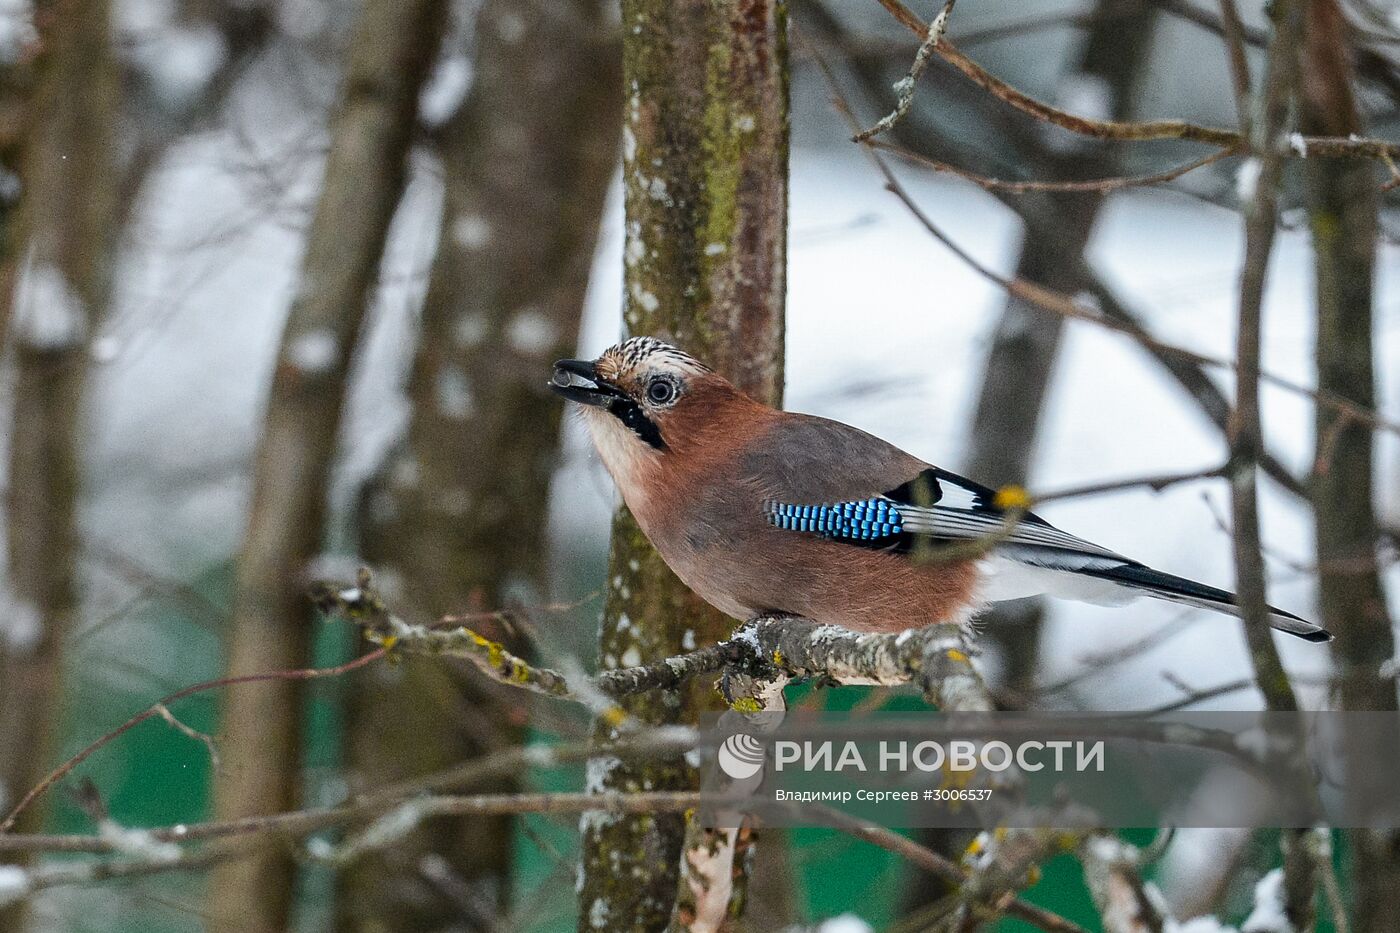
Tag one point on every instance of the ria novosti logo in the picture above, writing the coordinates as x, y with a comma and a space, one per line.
740, 756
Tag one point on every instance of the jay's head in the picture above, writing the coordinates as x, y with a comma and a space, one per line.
643, 396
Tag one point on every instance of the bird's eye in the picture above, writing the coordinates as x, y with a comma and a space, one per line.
662, 392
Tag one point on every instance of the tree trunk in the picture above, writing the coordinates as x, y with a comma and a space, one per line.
1342, 206
271, 627
457, 521
60, 287
1021, 360
1026, 342
705, 144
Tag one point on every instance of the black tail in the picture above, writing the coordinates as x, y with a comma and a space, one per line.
1190, 593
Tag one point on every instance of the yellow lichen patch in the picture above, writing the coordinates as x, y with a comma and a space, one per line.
955, 655
1012, 497
746, 705
495, 654
777, 657
614, 716
1326, 225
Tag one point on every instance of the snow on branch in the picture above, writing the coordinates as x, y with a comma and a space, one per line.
768, 650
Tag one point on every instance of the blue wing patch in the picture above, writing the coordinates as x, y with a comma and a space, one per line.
867, 520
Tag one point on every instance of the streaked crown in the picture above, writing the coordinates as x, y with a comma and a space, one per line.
639, 354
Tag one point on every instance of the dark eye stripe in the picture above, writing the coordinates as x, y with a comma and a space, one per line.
631, 414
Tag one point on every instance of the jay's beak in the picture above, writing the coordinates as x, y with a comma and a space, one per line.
578, 381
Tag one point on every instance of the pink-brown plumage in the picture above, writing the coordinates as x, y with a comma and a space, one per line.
707, 470
700, 502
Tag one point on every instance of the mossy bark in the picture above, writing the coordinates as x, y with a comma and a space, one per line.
705, 146
270, 630
456, 521
58, 280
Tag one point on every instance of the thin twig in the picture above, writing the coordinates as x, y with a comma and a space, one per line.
937, 864
155, 709
904, 88
1055, 302
190, 732
1156, 483
1099, 185
1261, 216
1191, 696
1394, 173
1117, 130
1095, 663
1233, 30
489, 804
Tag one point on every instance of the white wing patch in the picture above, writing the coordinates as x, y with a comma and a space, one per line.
1005, 577
958, 497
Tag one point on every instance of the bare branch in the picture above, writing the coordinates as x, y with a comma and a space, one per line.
904, 88
160, 708
421, 808
1261, 218
1111, 872
1233, 34
189, 731
1020, 187
1117, 130
1156, 483
936, 658
1055, 302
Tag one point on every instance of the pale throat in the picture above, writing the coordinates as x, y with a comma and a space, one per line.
633, 464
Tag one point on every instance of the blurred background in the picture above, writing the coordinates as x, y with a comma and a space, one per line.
158, 197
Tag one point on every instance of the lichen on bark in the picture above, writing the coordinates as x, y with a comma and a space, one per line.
705, 147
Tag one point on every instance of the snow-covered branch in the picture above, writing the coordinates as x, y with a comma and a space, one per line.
767, 650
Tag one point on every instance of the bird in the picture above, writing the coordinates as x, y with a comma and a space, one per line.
761, 511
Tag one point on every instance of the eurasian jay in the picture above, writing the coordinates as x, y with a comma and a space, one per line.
765, 511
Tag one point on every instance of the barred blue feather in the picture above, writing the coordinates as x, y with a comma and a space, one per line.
866, 520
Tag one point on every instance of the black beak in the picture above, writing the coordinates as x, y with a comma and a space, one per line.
577, 381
